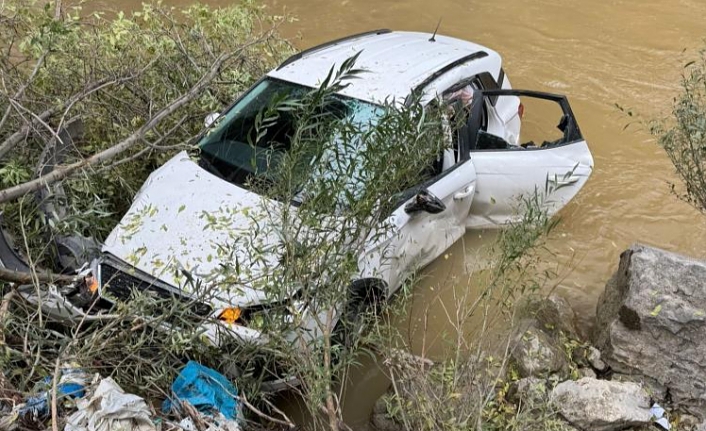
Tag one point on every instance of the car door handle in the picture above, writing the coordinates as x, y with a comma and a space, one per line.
466, 193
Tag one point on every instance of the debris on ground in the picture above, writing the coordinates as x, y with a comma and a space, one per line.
658, 415
71, 384
205, 389
110, 408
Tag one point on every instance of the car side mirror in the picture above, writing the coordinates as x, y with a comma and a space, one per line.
210, 119
424, 201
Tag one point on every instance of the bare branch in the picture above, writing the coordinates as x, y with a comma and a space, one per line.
24, 86
57, 10
98, 85
286, 422
20, 277
61, 173
16, 137
135, 156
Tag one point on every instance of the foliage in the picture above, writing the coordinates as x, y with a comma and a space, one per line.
346, 177
683, 137
113, 73
467, 388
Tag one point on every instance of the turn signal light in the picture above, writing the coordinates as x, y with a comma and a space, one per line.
521, 110
92, 284
230, 315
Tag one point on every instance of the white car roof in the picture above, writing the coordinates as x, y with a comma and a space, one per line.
396, 62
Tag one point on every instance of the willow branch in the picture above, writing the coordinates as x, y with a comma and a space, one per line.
24, 86
16, 137
20, 277
58, 174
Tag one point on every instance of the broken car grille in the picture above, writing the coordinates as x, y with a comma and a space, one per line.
122, 285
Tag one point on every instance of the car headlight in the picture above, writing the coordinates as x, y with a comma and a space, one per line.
263, 316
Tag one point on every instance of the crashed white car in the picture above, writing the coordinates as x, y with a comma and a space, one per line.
475, 185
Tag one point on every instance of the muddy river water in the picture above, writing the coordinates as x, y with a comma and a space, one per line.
599, 53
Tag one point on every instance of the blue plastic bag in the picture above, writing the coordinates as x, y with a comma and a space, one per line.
204, 388
71, 385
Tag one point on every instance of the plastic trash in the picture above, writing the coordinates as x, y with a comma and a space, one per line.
664, 423
110, 408
658, 416
8, 419
188, 425
70, 386
204, 388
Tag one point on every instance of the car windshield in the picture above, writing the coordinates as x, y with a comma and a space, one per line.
238, 153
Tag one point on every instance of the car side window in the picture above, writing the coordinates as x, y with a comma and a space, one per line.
449, 154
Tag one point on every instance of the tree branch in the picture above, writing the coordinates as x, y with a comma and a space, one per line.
20, 277
16, 137
58, 174
24, 86
98, 85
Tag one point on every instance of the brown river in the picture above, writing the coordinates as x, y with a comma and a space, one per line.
599, 53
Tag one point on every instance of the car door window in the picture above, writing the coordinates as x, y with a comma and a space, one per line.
550, 123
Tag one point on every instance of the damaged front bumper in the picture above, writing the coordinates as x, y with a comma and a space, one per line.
94, 298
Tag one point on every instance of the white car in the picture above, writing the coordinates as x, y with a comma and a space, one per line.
476, 186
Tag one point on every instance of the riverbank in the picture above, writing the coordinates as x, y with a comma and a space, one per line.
640, 369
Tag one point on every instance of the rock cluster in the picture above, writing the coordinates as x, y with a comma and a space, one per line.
588, 404
649, 346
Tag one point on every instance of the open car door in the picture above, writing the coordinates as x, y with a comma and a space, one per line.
557, 164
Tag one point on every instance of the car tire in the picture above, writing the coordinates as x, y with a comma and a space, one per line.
365, 299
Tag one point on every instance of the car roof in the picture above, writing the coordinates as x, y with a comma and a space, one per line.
396, 62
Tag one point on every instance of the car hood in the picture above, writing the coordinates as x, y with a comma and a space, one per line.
185, 218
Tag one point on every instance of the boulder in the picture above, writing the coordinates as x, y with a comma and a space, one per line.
651, 320
653, 389
554, 313
536, 354
587, 372
594, 358
602, 405
529, 390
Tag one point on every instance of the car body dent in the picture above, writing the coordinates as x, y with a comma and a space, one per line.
181, 219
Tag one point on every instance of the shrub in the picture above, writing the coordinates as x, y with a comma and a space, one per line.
114, 74
683, 137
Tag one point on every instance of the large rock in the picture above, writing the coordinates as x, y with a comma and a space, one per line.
554, 313
651, 321
379, 419
535, 353
529, 390
602, 405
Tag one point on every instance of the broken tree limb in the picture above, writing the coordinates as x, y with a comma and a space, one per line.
58, 174
9, 143
20, 277
24, 86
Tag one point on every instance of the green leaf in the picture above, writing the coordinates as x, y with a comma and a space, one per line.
656, 311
